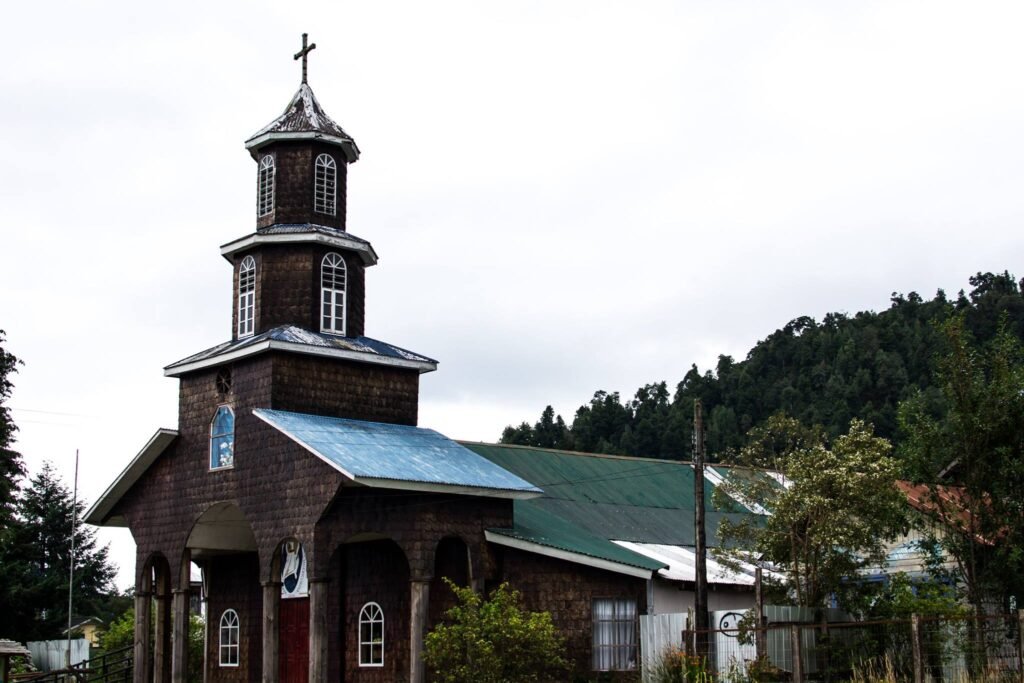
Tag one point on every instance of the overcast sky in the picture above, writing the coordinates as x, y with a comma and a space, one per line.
565, 196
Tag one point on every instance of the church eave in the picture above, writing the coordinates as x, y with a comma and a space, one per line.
364, 249
181, 368
498, 538
261, 140
100, 513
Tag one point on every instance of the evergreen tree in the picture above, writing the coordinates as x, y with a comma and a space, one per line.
11, 467
11, 471
828, 373
41, 551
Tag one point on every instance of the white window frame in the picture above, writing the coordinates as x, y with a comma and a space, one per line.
265, 191
247, 297
217, 435
229, 625
615, 639
333, 288
371, 616
325, 186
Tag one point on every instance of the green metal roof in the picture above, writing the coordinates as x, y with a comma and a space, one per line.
608, 497
536, 525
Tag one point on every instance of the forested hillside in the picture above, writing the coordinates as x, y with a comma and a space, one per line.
825, 372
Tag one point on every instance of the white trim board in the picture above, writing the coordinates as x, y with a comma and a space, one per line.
364, 249
567, 555
156, 445
308, 349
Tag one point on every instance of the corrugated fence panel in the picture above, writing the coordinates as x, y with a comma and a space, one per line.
658, 633
48, 655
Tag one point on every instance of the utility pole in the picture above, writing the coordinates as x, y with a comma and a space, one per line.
71, 561
700, 601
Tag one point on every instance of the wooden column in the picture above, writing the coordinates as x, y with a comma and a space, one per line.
1020, 644
915, 647
271, 631
318, 631
761, 634
179, 636
141, 670
162, 639
798, 658
418, 604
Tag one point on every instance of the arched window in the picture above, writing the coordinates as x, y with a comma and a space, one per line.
332, 288
222, 439
265, 201
326, 185
246, 296
371, 635
229, 638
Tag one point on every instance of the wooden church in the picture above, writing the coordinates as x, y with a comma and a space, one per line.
323, 519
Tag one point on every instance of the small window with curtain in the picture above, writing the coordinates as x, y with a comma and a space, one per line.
332, 289
246, 296
326, 185
265, 194
371, 635
615, 634
222, 439
229, 638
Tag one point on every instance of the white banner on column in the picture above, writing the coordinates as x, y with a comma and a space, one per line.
294, 582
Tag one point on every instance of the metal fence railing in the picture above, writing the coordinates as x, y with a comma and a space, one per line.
918, 650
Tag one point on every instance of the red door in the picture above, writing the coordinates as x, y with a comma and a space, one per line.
294, 640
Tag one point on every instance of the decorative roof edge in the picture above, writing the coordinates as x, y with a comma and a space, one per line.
347, 145
499, 537
98, 514
404, 484
364, 249
180, 368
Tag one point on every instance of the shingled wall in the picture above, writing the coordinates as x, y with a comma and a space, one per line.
288, 287
567, 590
294, 184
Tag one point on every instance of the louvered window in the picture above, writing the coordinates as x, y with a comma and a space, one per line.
332, 289
246, 296
265, 202
326, 185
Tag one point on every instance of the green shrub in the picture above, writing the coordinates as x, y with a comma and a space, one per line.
494, 641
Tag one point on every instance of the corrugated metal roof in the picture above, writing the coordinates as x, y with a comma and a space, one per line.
615, 498
305, 115
380, 454
682, 564
535, 525
302, 228
361, 348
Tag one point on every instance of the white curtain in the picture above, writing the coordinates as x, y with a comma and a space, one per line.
615, 634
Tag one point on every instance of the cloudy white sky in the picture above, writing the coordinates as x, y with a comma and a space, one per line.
566, 196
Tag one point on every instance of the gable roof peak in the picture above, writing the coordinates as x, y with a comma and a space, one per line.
304, 119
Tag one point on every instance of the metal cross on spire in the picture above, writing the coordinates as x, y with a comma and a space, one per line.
303, 53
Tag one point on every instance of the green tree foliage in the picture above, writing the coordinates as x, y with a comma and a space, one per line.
121, 633
832, 518
494, 641
11, 472
40, 553
11, 467
821, 372
974, 442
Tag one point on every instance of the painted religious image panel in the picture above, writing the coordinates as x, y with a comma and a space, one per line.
294, 581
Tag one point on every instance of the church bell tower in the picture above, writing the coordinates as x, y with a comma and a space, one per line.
298, 286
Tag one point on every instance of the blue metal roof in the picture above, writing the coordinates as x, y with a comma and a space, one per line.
362, 349
397, 456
